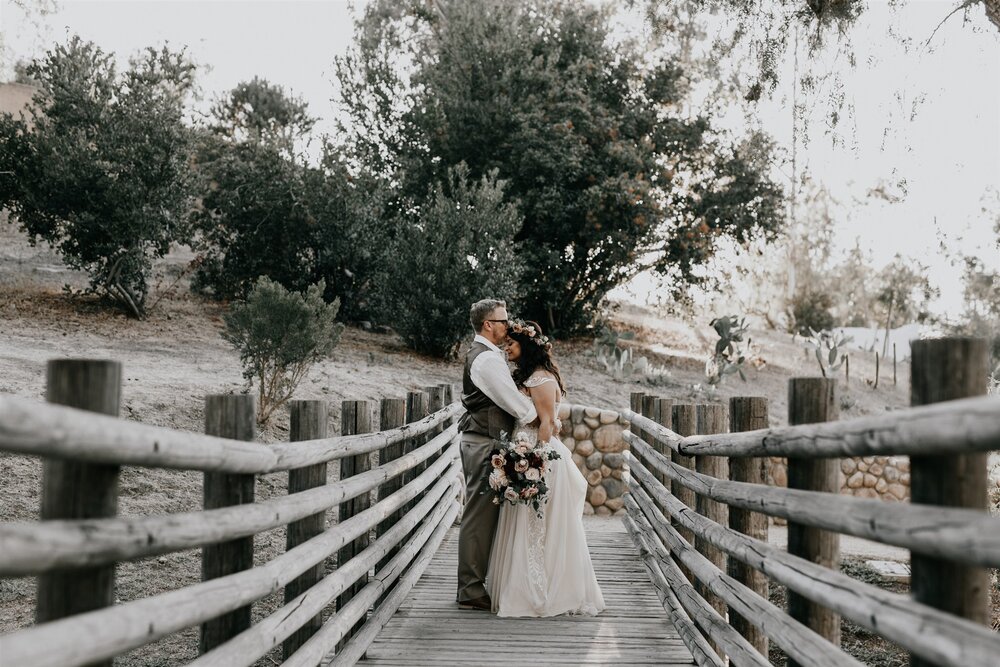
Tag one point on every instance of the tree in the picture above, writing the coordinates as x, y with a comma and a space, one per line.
259, 112
280, 335
610, 176
449, 250
103, 176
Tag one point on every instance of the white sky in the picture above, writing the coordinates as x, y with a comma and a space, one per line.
949, 154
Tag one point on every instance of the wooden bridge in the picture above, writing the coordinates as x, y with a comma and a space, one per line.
684, 573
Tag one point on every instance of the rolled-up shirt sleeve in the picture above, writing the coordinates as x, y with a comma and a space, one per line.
490, 374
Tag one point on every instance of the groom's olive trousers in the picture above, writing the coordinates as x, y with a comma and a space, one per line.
479, 518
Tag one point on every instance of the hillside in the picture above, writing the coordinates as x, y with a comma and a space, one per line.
176, 357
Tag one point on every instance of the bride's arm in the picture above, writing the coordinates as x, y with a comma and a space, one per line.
544, 397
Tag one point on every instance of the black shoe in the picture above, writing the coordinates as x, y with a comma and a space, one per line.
482, 604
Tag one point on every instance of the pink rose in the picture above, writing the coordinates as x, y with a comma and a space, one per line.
529, 492
498, 460
522, 449
533, 474
521, 465
510, 494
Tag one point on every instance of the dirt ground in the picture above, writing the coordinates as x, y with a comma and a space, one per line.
176, 357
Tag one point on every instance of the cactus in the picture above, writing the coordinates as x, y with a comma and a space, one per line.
828, 347
731, 351
623, 364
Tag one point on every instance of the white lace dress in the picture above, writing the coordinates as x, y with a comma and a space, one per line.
541, 566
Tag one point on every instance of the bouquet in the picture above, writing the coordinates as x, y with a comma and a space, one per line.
518, 471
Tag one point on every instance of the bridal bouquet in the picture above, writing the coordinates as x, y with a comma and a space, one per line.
518, 471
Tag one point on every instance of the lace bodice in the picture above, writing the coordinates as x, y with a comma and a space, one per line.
539, 378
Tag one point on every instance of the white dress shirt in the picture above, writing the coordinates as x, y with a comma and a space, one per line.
489, 372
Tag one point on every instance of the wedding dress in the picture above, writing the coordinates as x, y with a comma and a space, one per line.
540, 566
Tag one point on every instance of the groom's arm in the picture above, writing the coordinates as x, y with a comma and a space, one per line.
491, 375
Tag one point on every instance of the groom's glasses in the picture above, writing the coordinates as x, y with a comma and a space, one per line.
504, 322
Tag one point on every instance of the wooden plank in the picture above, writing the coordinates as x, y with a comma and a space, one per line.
38, 429
711, 418
430, 629
955, 427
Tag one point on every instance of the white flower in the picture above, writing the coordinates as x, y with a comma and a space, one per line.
533, 474
510, 494
497, 480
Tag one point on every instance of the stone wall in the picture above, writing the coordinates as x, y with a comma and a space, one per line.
884, 477
595, 438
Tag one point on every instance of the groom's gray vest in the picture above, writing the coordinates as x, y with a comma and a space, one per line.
482, 415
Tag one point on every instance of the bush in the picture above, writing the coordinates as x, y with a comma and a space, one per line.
103, 174
811, 312
280, 335
252, 220
449, 252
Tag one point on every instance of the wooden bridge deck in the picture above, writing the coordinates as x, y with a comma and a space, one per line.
429, 629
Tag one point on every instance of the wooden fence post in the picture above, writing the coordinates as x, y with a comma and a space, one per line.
435, 402
711, 418
635, 405
664, 417
73, 490
651, 411
685, 420
355, 418
447, 398
416, 409
232, 416
748, 413
308, 422
813, 400
947, 369
392, 414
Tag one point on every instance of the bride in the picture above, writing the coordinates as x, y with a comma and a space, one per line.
540, 566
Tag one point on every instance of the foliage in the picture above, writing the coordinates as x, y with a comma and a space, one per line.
280, 335
622, 363
828, 347
611, 176
811, 311
262, 113
252, 219
904, 292
449, 250
102, 176
731, 352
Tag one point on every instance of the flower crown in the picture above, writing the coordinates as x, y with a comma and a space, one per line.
520, 327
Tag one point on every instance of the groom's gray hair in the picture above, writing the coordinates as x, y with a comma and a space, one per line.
481, 310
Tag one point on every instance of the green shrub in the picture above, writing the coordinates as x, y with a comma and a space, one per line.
811, 312
103, 175
280, 335
453, 249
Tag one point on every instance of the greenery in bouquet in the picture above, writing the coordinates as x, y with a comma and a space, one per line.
518, 469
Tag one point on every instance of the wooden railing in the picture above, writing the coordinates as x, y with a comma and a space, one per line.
697, 498
73, 550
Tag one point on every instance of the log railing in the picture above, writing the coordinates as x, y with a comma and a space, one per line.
711, 571
383, 544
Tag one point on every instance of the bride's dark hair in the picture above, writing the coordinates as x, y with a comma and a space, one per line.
533, 357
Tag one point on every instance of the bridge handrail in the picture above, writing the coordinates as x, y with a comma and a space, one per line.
53, 431
105, 633
935, 635
955, 533
952, 427
36, 547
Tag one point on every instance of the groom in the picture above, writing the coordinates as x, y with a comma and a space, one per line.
492, 403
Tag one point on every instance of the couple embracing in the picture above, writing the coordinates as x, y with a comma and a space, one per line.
512, 559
